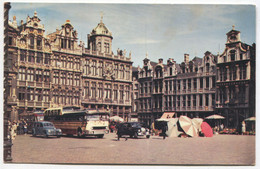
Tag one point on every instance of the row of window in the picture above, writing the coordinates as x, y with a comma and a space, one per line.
98, 90
231, 94
31, 74
99, 69
173, 85
179, 101
63, 97
35, 57
32, 94
67, 44
232, 73
66, 62
233, 56
66, 78
97, 47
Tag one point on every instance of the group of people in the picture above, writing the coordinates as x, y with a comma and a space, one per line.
17, 128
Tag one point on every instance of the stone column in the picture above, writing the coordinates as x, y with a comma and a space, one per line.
198, 83
218, 74
203, 100
228, 77
227, 94
247, 93
197, 101
204, 83
237, 72
248, 72
210, 101
192, 87
236, 93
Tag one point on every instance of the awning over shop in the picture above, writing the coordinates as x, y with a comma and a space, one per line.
168, 115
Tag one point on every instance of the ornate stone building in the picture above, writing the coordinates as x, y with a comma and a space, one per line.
66, 66
184, 89
29, 53
235, 97
54, 70
195, 87
106, 78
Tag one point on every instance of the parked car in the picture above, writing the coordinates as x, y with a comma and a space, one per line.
132, 129
45, 129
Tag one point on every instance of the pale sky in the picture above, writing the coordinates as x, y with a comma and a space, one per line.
163, 31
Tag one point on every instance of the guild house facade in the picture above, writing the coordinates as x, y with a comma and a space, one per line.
235, 94
181, 89
51, 70
214, 84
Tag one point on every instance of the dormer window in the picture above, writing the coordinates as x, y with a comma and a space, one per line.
232, 55
207, 67
35, 25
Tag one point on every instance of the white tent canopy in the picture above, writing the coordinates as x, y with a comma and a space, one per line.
172, 128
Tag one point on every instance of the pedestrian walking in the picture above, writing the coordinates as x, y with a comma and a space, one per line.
13, 130
222, 127
243, 127
164, 129
25, 128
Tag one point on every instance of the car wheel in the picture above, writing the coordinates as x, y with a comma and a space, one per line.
45, 136
100, 136
58, 136
135, 135
148, 136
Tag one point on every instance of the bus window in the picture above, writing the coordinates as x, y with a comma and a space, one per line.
59, 112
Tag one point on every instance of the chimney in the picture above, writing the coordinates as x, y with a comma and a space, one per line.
161, 61
186, 58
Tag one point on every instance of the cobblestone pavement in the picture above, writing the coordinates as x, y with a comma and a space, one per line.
217, 150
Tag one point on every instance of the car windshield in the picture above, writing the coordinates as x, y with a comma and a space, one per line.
97, 117
136, 125
48, 124
40, 118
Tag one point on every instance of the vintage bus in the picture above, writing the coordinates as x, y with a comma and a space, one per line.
80, 122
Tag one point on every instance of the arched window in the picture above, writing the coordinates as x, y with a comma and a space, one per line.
31, 41
39, 43
158, 71
207, 67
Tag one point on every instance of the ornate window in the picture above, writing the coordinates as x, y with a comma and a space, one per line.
39, 43
23, 55
47, 59
31, 57
21, 74
38, 75
39, 58
31, 41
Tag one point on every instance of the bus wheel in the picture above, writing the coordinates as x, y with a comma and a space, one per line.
100, 136
79, 132
33, 133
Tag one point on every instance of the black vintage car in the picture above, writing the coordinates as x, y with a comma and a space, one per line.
132, 129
